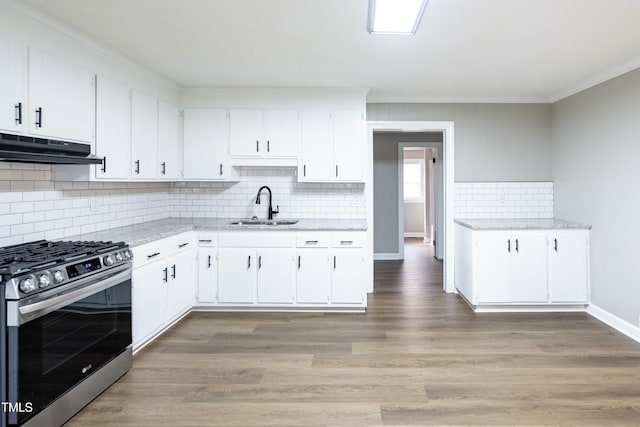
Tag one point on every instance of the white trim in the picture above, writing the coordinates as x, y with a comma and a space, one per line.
387, 257
615, 322
447, 128
415, 234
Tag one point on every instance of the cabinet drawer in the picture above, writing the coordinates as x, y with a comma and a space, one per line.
256, 240
179, 242
207, 238
347, 239
149, 252
312, 240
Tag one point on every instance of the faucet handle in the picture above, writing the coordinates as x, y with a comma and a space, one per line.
276, 211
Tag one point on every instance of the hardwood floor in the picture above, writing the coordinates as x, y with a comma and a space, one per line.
418, 357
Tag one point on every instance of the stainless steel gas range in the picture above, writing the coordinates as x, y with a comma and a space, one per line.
65, 309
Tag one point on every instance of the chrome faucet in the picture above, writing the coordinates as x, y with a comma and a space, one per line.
271, 211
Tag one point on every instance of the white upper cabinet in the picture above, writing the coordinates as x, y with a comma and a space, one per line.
332, 146
61, 99
169, 146
260, 133
205, 144
316, 163
144, 136
348, 145
13, 86
113, 129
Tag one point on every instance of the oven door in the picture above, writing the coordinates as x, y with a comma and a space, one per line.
61, 339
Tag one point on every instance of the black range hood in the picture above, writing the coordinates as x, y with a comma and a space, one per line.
26, 149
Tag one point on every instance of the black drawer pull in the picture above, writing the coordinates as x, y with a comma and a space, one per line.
182, 245
205, 240
153, 255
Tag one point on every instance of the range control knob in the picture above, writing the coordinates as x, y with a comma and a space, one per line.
127, 254
108, 260
58, 277
119, 257
44, 280
28, 285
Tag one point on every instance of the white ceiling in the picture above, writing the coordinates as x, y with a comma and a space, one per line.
465, 50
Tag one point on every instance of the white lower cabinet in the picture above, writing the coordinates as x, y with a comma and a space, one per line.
347, 276
313, 277
522, 267
207, 275
236, 275
275, 276
163, 284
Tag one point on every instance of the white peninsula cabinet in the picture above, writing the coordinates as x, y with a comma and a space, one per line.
163, 278
497, 267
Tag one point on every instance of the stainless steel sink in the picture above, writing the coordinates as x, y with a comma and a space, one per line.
252, 221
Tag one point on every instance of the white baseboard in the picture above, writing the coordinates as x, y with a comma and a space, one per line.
419, 235
387, 257
615, 322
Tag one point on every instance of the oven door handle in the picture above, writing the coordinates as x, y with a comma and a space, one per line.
38, 309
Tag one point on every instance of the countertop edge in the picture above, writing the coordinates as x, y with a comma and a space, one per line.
520, 224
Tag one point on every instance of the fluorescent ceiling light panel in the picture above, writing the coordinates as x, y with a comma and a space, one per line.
395, 16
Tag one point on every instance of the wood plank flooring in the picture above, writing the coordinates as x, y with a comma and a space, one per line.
418, 357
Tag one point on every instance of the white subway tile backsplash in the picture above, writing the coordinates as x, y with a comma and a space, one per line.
504, 200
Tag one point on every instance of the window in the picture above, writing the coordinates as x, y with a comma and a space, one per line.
413, 180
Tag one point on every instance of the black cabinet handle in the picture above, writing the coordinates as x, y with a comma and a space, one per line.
39, 117
334, 262
336, 171
153, 255
346, 242
310, 242
509, 245
137, 170
304, 170
18, 108
298, 262
205, 240
220, 168
517, 249
182, 245
164, 168
165, 277
249, 262
268, 146
555, 245
209, 262
173, 274
104, 164
260, 262
257, 146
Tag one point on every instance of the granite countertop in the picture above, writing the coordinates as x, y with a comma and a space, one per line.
146, 232
521, 224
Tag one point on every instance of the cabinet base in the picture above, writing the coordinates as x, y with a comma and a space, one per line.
294, 309
525, 307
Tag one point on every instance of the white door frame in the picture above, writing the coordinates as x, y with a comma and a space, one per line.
447, 129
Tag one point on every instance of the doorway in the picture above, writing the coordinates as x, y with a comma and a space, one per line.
446, 131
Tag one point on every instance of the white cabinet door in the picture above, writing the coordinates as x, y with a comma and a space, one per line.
569, 266
348, 145
347, 281
313, 281
205, 144
236, 275
276, 276
180, 288
317, 147
13, 86
529, 254
493, 266
169, 146
61, 99
149, 300
113, 129
246, 132
283, 133
207, 275
144, 135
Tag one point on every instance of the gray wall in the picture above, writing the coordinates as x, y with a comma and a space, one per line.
385, 186
493, 142
596, 148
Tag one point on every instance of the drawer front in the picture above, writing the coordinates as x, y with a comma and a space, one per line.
268, 239
313, 240
207, 238
180, 242
150, 252
348, 239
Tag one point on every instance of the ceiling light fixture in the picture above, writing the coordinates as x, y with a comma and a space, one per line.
395, 16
